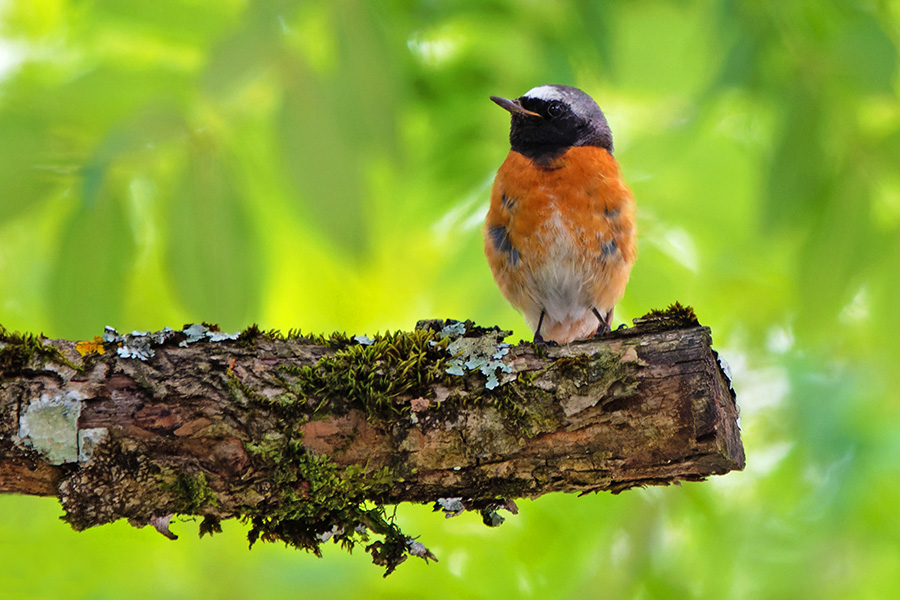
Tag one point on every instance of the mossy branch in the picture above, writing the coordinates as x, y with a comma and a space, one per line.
308, 438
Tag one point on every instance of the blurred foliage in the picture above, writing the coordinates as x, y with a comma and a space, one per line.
326, 165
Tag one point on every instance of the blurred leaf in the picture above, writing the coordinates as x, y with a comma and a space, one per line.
866, 56
248, 51
26, 174
144, 132
212, 246
330, 122
639, 64
326, 167
798, 170
170, 20
91, 100
832, 262
96, 250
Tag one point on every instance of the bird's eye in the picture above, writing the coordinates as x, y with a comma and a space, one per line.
555, 109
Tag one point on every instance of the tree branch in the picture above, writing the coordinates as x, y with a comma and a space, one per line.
307, 437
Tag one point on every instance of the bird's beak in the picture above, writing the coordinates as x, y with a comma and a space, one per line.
513, 106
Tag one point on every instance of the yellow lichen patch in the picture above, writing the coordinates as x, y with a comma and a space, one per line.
91, 346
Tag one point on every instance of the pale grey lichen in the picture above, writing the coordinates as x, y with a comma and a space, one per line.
160, 337
136, 346
49, 425
454, 329
419, 549
327, 535
726, 370
197, 332
452, 507
161, 524
88, 440
364, 340
219, 336
139, 344
483, 353
194, 333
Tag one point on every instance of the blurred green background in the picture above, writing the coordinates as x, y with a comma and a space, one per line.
326, 165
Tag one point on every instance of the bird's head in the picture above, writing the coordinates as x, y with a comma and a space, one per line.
547, 120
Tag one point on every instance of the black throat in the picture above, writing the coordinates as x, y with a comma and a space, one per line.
546, 137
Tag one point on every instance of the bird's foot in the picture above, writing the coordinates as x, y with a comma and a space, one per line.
602, 330
604, 326
540, 341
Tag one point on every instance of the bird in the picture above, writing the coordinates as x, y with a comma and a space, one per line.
560, 234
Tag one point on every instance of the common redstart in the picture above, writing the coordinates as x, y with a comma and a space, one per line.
560, 233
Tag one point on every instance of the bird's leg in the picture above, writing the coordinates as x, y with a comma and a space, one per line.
604, 327
538, 338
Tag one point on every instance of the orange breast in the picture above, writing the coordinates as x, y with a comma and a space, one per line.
560, 238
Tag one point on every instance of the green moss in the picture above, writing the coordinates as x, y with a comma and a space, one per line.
210, 525
601, 371
525, 408
240, 391
191, 493
582, 368
24, 351
676, 314
253, 333
510, 400
371, 377
314, 500
335, 341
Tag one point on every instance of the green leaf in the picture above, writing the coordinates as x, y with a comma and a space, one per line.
96, 250
323, 164
245, 53
866, 56
212, 247
332, 123
26, 175
798, 175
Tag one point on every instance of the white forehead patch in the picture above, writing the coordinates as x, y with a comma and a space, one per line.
544, 92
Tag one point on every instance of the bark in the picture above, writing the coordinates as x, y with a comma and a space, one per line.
307, 437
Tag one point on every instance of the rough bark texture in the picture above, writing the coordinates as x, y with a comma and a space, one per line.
301, 435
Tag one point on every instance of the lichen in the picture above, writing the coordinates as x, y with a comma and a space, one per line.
483, 354
49, 425
140, 344
88, 441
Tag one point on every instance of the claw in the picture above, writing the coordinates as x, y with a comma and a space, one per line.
601, 331
542, 343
